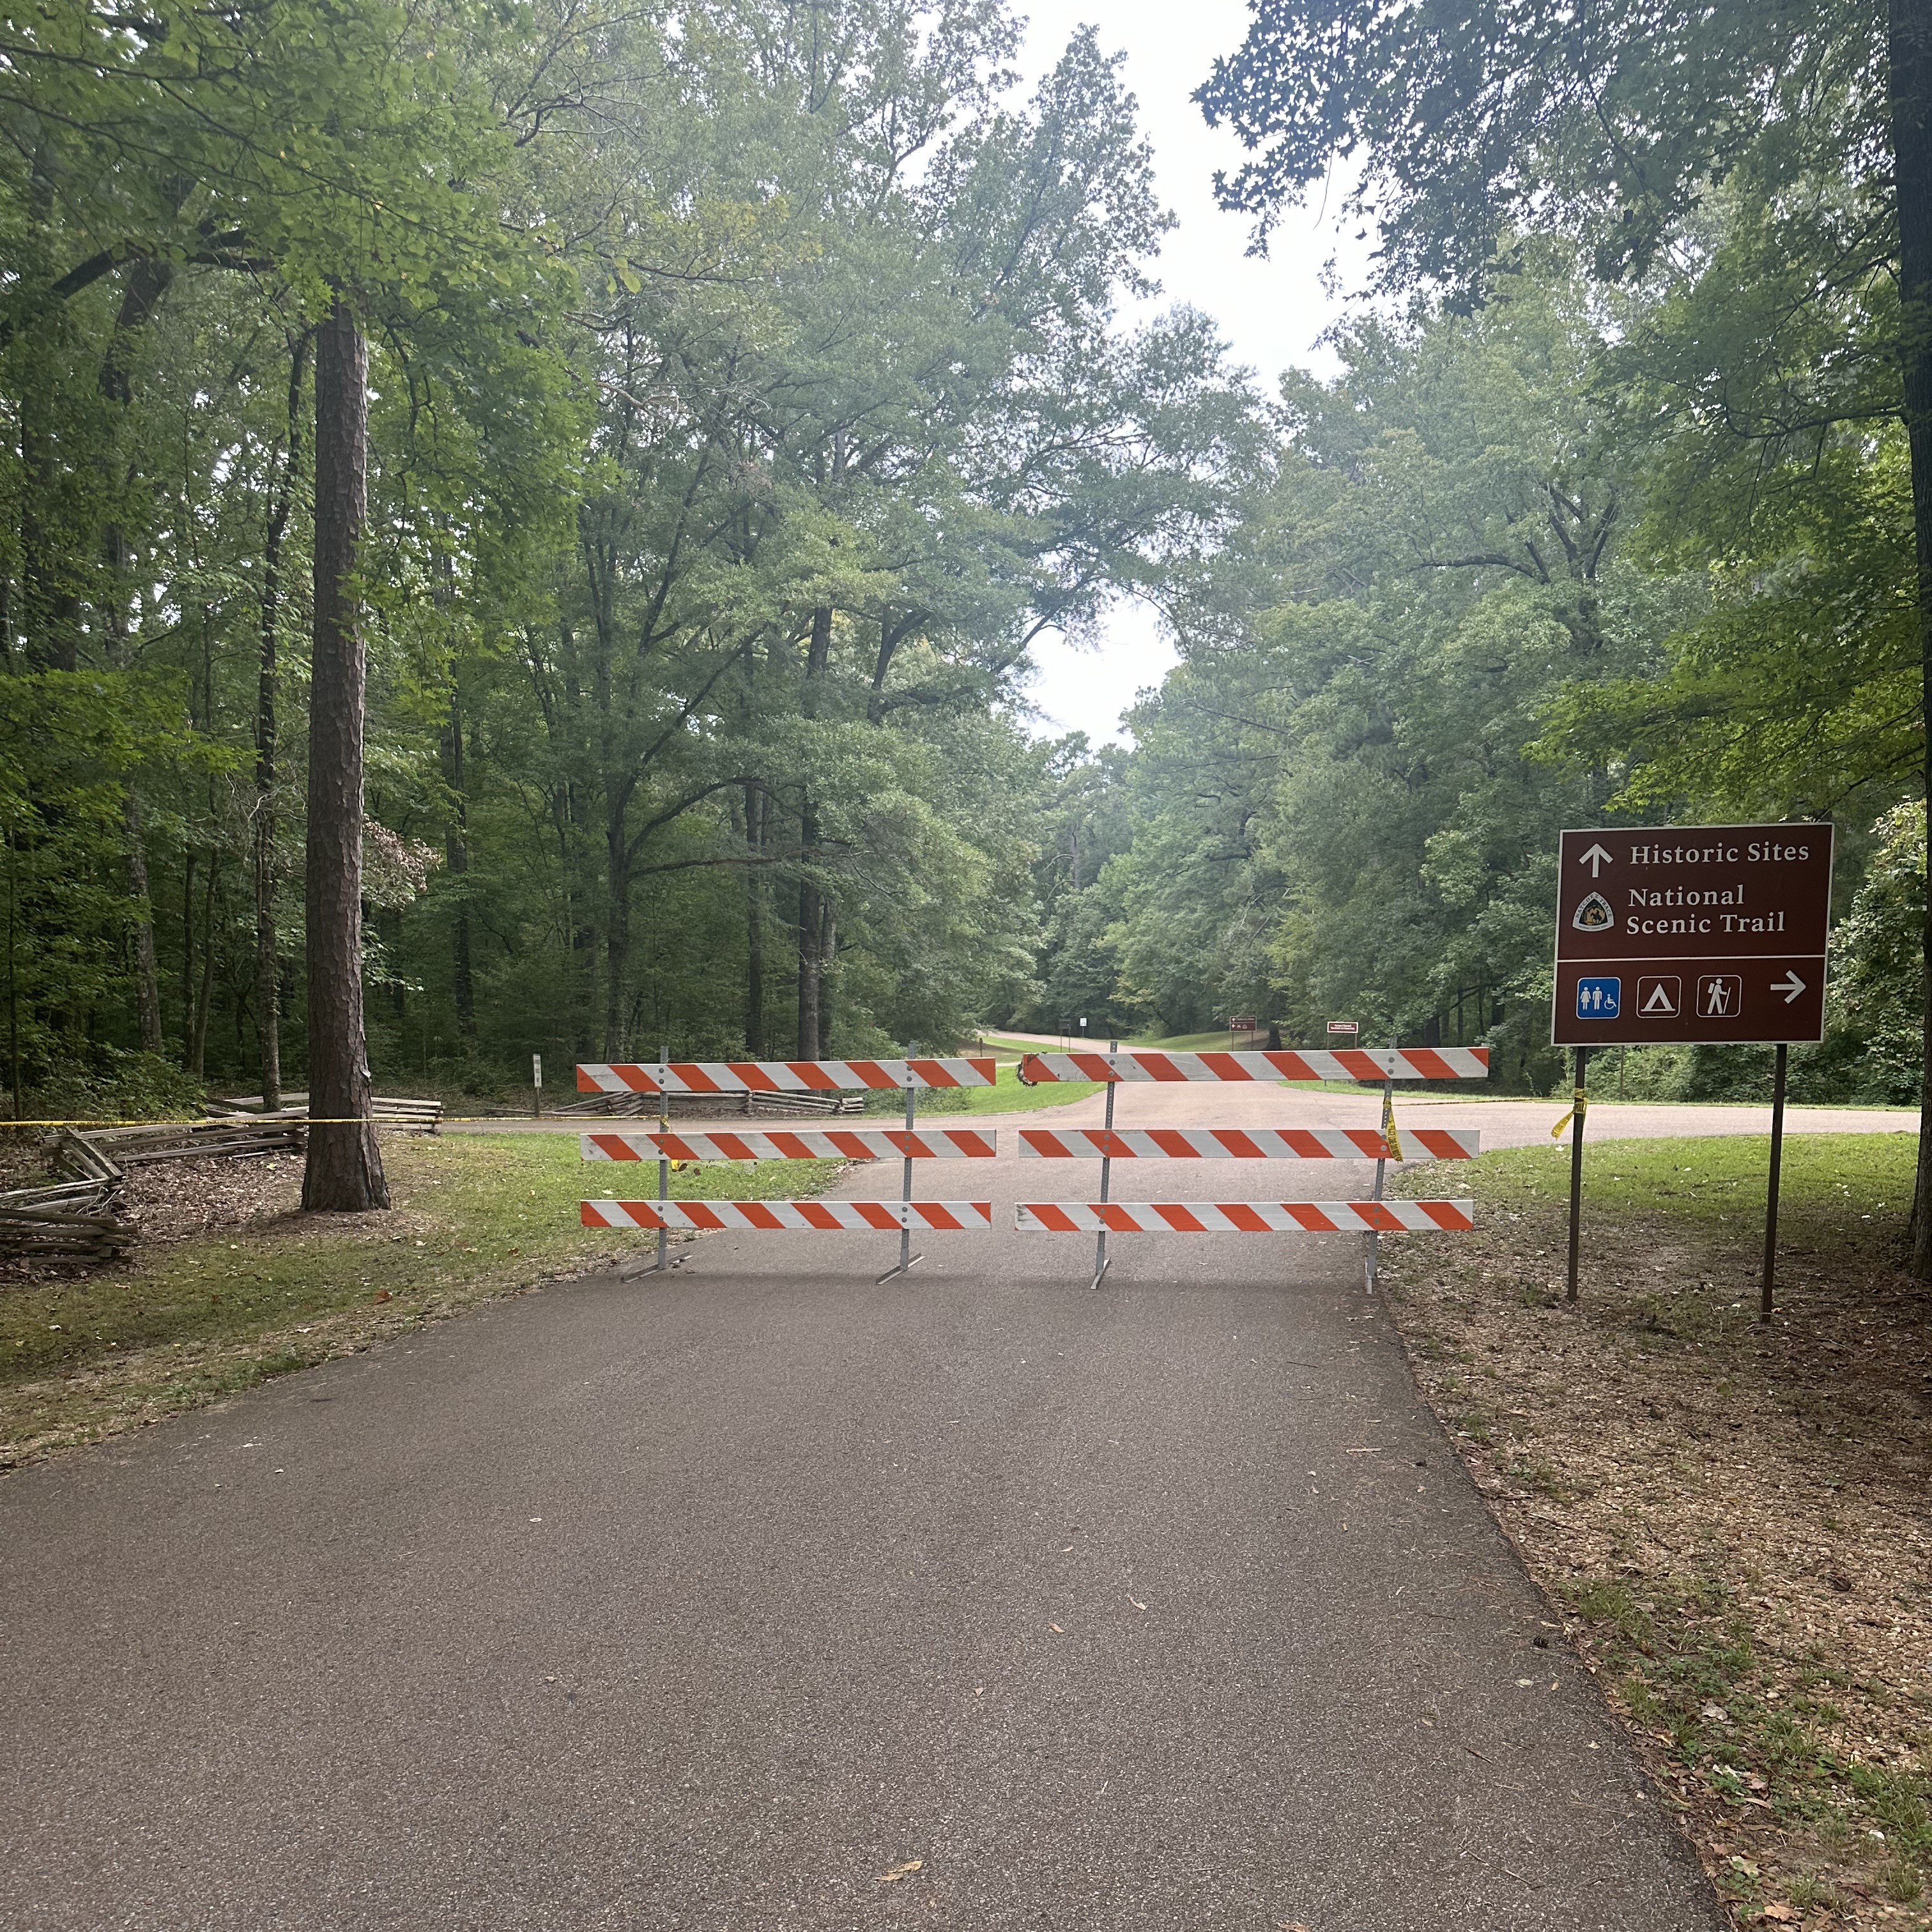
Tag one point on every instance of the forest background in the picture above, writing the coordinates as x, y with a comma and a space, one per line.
747, 394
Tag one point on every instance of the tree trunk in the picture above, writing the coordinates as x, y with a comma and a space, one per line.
344, 1173
187, 950
810, 917
456, 852
1910, 51
268, 978
811, 909
195, 1051
828, 984
755, 924
616, 936
147, 974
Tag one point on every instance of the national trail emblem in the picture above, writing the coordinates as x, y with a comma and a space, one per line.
1594, 915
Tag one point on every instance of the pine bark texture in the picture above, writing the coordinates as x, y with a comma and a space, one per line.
344, 1174
268, 976
1909, 50
147, 973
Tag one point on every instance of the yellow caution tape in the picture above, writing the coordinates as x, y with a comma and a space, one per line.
1390, 1139
1579, 1104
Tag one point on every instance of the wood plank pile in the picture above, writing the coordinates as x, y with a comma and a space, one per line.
388, 1110
64, 1228
83, 1217
80, 1218
136, 1146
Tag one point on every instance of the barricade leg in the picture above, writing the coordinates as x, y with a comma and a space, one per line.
1381, 1168
664, 1263
908, 1259
1106, 1176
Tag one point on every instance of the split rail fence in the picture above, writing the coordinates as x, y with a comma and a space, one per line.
805, 1079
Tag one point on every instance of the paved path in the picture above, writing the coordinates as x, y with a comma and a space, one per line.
709, 1604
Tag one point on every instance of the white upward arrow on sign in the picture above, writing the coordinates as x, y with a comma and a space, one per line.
1790, 985
1596, 858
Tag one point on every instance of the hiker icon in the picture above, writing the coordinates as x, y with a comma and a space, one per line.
1598, 999
1719, 995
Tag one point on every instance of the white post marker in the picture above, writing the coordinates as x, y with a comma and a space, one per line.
536, 1086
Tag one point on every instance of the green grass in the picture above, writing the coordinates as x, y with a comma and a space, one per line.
476, 1215
1683, 1662
1708, 1179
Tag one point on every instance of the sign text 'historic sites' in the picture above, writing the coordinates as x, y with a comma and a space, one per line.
1707, 933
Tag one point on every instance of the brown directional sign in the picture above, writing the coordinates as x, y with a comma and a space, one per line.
1703, 933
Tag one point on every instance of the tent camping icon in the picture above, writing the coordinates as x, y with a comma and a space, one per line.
1659, 996
1594, 915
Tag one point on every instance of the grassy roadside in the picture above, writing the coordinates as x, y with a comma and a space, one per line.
1731, 1519
191, 1321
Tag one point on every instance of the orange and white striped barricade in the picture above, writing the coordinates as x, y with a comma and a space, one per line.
782, 1076
798, 1143
911, 1076
772, 1217
1241, 1217
1244, 1143
1386, 1064
1364, 1063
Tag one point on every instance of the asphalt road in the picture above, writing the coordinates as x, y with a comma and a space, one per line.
715, 1602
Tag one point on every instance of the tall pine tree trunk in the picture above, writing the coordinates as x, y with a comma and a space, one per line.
755, 924
1910, 51
617, 935
456, 850
810, 922
267, 976
812, 908
344, 1172
147, 973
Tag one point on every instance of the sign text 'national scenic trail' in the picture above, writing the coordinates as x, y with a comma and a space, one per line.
1708, 934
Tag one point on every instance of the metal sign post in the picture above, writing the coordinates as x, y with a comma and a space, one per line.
1772, 1184
907, 1258
1106, 1178
663, 1263
1578, 1106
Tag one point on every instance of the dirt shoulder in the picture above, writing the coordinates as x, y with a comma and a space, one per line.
1732, 1520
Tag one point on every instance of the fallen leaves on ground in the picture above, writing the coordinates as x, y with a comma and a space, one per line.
1733, 1519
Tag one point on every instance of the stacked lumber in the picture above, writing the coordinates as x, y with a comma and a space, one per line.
135, 1147
805, 1103
54, 1230
78, 1219
387, 1110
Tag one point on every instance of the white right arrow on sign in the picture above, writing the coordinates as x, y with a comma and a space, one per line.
1790, 985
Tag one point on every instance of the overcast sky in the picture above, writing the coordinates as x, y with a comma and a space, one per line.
1271, 311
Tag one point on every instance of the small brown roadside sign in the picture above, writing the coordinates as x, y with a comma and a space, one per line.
1705, 934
